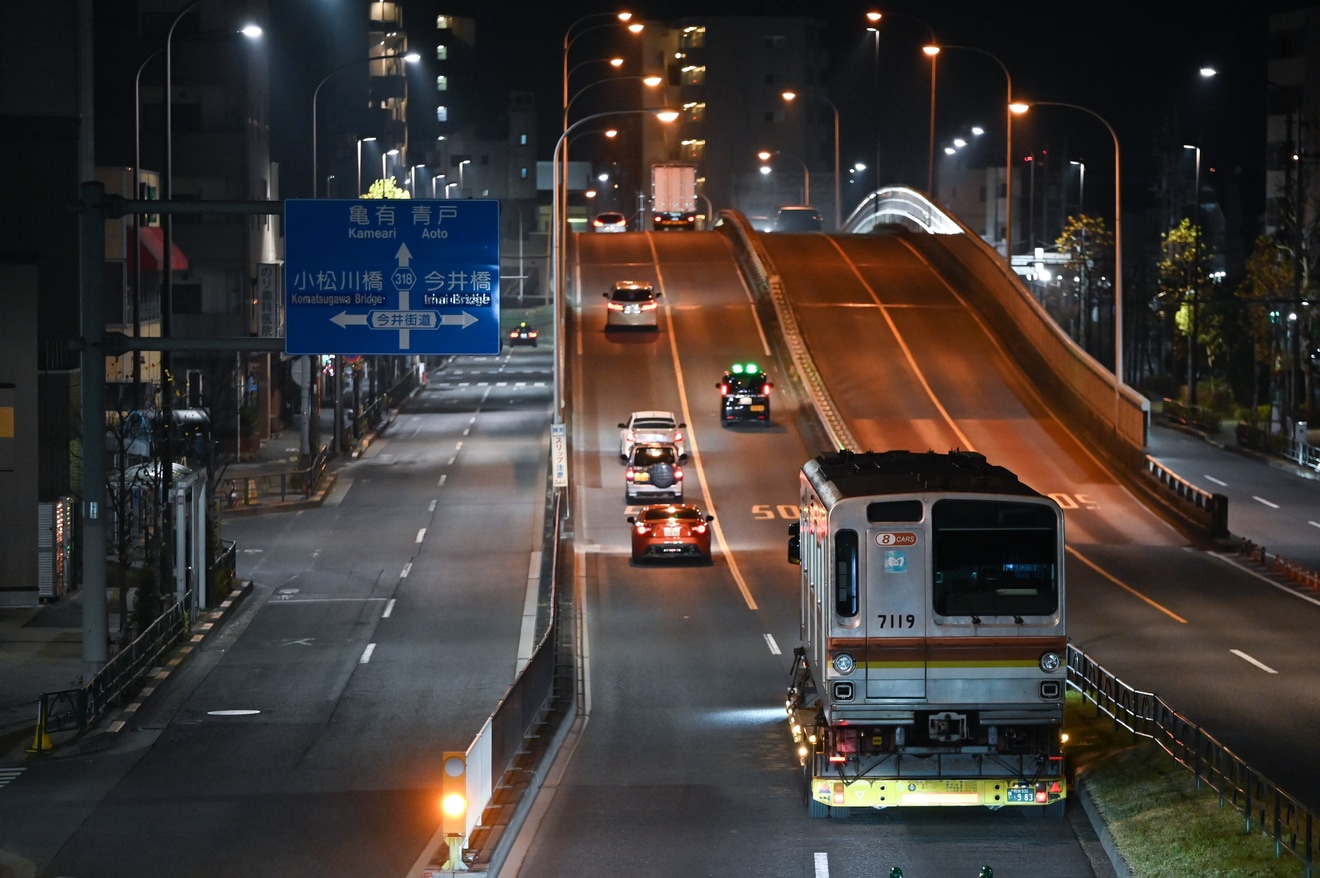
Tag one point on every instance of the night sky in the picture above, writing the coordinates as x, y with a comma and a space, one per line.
1135, 65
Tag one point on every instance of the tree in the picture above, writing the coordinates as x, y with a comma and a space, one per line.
386, 188
1088, 249
1266, 289
1183, 288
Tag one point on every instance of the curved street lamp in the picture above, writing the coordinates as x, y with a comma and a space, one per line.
664, 114
790, 96
408, 57
765, 155
874, 18
1020, 108
1008, 140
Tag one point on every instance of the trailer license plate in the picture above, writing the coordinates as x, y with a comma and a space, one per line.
1022, 794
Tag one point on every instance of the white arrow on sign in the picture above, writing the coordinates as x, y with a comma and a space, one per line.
344, 319
464, 320
403, 255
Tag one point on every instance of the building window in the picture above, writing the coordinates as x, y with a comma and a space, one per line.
775, 42
693, 75
522, 173
442, 113
442, 83
692, 37
443, 22
694, 111
441, 52
522, 139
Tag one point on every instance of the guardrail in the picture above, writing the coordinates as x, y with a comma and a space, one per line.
117, 681
1263, 804
1210, 511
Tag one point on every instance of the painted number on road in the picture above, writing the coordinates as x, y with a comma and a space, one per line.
766, 512
1074, 501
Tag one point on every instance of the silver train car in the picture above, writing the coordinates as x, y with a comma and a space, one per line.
932, 667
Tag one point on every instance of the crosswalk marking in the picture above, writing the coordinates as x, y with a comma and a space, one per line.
8, 774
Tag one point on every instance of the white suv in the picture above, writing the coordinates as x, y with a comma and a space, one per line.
654, 473
651, 426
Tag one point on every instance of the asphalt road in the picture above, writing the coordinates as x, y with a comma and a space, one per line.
382, 630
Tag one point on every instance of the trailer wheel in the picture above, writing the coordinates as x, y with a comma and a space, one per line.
815, 810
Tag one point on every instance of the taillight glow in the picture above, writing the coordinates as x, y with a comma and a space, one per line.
649, 306
628, 474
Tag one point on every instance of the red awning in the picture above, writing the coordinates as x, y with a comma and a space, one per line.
153, 247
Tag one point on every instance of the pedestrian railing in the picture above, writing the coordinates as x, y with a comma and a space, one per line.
1264, 806
116, 682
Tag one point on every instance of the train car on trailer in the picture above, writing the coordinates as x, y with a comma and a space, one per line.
932, 668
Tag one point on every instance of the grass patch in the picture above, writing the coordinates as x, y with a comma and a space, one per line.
1160, 822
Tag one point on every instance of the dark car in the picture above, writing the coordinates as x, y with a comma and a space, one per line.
797, 218
670, 531
744, 394
522, 334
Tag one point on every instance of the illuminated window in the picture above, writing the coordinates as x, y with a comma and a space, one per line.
442, 113
693, 75
692, 37
694, 111
693, 150
443, 22
442, 83
442, 52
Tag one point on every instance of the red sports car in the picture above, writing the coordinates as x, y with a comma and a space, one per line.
671, 531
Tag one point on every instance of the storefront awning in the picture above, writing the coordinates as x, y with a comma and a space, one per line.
153, 247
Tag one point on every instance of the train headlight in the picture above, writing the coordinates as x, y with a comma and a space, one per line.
843, 663
1050, 661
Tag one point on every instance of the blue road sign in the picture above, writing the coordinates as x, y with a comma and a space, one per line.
395, 276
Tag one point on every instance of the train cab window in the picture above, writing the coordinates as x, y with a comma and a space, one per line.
994, 558
893, 510
845, 573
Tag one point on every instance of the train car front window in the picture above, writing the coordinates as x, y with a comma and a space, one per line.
845, 573
994, 558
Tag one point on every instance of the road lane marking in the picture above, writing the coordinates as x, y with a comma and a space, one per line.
822, 864
407, 568
1264, 501
1127, 588
421, 533
366, 654
1218, 482
770, 642
431, 507
965, 443
1314, 523
693, 454
1251, 661
389, 608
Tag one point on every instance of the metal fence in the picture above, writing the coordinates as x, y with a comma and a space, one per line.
117, 681
1264, 806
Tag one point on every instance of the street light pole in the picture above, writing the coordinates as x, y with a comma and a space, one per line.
838, 216
1118, 238
361, 140
1008, 139
874, 18
384, 174
408, 57
765, 156
1196, 277
556, 245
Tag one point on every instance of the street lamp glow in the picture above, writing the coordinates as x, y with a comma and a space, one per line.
1207, 71
251, 31
790, 96
1020, 108
616, 63
652, 80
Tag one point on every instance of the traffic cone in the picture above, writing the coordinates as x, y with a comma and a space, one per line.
40, 740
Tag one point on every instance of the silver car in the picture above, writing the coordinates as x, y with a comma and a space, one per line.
651, 426
654, 473
632, 304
